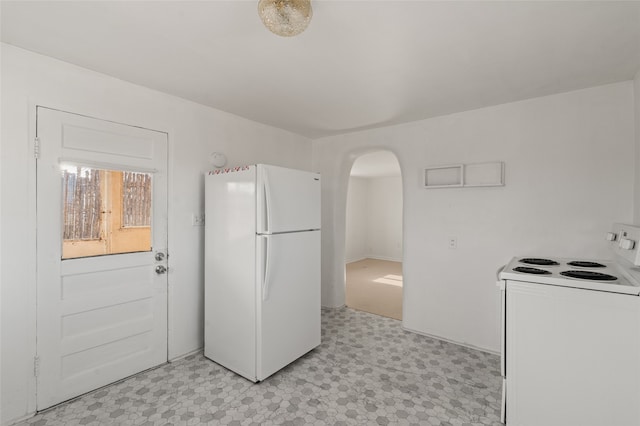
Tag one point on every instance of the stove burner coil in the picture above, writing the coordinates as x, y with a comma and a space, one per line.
585, 264
538, 261
588, 275
527, 270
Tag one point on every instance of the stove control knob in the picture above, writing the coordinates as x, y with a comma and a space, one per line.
627, 244
611, 236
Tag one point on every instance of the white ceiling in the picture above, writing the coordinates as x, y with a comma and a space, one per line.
360, 64
376, 164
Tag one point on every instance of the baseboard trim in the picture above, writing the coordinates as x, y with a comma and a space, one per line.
18, 420
444, 339
183, 356
390, 259
333, 307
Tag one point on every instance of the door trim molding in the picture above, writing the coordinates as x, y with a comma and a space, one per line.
38, 105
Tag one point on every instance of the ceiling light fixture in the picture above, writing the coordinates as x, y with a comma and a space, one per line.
285, 18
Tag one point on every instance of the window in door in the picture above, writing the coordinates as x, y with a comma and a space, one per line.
105, 211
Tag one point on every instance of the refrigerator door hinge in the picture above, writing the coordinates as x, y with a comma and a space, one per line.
36, 148
36, 365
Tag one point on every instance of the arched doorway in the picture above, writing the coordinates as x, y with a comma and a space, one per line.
373, 235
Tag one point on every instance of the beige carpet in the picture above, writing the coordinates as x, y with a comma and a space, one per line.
375, 286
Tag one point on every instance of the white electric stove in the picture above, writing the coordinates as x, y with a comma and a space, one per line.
571, 337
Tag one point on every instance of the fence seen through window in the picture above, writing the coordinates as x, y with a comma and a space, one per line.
105, 211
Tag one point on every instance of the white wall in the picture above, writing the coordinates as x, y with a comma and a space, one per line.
356, 238
636, 98
374, 219
194, 132
569, 175
385, 218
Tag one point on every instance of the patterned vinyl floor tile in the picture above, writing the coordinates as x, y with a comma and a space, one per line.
367, 371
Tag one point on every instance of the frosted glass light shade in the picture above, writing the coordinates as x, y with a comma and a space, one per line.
285, 17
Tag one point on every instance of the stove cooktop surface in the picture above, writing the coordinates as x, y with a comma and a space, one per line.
606, 276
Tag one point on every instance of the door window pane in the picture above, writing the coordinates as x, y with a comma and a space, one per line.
81, 203
105, 212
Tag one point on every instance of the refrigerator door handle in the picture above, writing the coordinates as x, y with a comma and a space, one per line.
266, 268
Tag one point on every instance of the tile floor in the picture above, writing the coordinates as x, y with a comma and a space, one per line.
368, 371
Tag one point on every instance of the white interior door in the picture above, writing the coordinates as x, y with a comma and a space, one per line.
101, 254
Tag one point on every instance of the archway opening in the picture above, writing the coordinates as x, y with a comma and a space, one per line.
373, 235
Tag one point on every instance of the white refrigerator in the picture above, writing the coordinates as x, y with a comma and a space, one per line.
262, 268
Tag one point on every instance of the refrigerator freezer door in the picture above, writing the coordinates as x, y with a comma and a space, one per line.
288, 200
289, 302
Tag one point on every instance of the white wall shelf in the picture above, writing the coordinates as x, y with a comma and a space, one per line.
465, 175
444, 176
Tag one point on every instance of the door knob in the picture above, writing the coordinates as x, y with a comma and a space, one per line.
159, 256
160, 269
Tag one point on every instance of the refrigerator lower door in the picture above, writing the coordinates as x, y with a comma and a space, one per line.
288, 290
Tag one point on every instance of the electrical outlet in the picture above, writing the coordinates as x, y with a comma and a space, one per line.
197, 219
453, 243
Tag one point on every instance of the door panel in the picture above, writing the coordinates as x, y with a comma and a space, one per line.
100, 318
290, 308
289, 200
